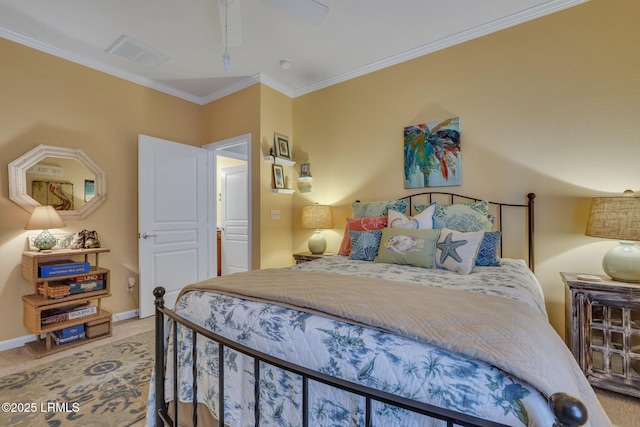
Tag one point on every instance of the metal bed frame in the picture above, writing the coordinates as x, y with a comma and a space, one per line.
569, 411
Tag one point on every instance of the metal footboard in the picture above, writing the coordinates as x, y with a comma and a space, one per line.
569, 411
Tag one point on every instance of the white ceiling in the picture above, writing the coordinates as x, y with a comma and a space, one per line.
355, 38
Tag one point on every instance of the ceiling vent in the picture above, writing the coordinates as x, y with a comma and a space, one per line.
132, 50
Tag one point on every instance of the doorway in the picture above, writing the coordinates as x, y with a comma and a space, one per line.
231, 203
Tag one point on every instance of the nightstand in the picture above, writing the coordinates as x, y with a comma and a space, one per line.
602, 329
308, 256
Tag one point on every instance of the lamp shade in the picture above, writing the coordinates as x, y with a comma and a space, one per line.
317, 217
618, 218
614, 218
44, 218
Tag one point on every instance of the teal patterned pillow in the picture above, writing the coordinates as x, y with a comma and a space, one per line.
364, 244
363, 209
488, 252
463, 216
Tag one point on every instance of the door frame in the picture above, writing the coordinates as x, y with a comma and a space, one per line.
213, 149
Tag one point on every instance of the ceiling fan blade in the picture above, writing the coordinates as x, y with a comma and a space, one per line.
307, 10
229, 11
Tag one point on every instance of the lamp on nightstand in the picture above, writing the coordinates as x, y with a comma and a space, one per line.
317, 217
43, 218
618, 218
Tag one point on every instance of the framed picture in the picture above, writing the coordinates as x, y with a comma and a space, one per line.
278, 176
305, 170
282, 146
89, 189
56, 194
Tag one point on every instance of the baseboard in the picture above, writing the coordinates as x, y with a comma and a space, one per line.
20, 341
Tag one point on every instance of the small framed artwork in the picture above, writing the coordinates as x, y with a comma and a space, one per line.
282, 146
278, 176
89, 189
305, 170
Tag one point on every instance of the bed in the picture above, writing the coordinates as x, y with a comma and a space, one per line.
376, 337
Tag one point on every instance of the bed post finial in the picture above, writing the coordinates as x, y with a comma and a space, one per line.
159, 294
568, 410
161, 406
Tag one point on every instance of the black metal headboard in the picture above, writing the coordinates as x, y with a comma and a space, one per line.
497, 209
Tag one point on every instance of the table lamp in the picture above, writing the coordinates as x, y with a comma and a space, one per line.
618, 218
317, 217
43, 218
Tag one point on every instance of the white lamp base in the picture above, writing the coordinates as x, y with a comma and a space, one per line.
317, 243
622, 262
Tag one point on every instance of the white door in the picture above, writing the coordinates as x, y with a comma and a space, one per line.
172, 218
235, 220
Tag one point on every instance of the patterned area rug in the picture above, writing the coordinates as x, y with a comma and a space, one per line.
105, 386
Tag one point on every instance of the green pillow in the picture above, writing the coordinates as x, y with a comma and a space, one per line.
463, 217
364, 209
408, 247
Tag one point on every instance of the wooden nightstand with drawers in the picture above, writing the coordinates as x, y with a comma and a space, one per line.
602, 329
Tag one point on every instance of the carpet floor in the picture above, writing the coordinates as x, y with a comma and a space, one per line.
102, 386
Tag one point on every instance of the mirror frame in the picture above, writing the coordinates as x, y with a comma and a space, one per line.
18, 179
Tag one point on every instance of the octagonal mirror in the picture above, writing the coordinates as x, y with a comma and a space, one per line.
65, 178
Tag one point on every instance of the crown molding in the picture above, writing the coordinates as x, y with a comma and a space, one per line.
96, 65
521, 17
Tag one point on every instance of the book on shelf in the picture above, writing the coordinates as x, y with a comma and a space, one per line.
62, 340
57, 315
88, 286
86, 278
70, 331
62, 268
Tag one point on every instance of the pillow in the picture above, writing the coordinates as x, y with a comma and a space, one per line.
457, 251
362, 209
360, 224
473, 216
408, 247
364, 244
422, 220
488, 252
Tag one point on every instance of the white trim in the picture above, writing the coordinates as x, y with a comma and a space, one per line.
20, 341
96, 65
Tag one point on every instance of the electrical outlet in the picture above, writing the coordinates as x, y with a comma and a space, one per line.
275, 214
131, 283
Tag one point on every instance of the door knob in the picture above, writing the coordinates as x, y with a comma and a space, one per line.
147, 235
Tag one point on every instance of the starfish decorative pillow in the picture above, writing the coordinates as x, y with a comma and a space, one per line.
457, 251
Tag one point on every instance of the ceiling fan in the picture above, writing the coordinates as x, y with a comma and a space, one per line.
231, 24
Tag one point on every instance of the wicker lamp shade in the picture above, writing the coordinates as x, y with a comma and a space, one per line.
614, 218
317, 217
618, 218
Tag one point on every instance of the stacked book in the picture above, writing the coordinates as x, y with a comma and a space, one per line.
64, 267
86, 283
70, 334
57, 315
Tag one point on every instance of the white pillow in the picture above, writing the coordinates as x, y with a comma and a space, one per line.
457, 251
423, 220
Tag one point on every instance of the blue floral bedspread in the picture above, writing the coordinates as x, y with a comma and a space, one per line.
353, 352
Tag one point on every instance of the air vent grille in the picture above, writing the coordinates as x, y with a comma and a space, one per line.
132, 50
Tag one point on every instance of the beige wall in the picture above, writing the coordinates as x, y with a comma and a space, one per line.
259, 111
549, 107
47, 100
